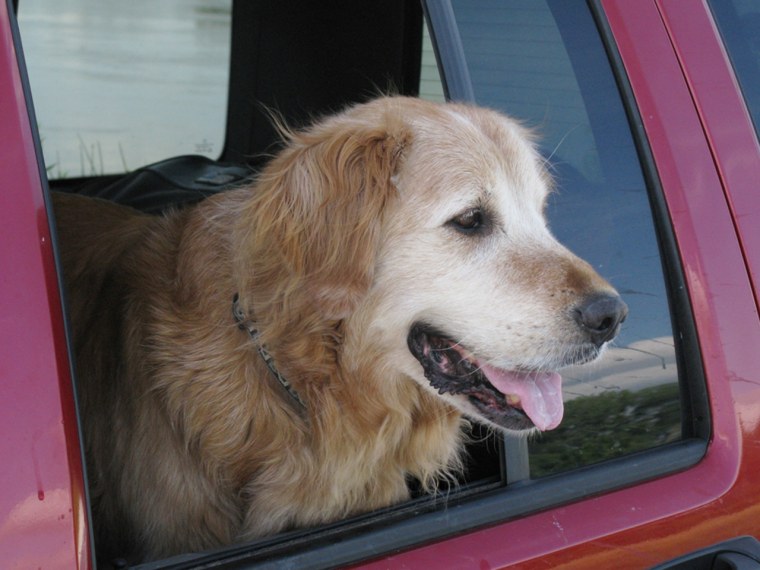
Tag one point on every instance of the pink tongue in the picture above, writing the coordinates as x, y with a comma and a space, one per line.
540, 393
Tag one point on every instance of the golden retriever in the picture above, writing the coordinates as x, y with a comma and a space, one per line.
292, 352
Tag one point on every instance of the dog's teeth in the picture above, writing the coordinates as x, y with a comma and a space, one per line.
513, 400
445, 388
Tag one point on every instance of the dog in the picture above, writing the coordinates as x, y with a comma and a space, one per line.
294, 351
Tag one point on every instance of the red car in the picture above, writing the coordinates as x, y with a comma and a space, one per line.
647, 115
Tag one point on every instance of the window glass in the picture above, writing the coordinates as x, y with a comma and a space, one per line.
739, 23
543, 62
117, 85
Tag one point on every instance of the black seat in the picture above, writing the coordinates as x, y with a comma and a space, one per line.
170, 183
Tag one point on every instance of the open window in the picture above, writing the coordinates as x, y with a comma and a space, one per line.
200, 83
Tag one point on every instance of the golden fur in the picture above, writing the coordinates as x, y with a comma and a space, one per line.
190, 441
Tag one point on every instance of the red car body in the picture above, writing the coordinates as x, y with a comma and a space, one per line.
706, 153
44, 515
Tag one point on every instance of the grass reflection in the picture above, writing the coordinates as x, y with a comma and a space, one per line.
606, 426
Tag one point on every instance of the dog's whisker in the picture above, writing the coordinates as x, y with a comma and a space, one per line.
547, 161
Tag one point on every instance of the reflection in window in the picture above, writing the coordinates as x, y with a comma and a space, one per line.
544, 63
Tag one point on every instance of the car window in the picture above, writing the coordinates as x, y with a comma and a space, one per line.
543, 62
739, 24
117, 85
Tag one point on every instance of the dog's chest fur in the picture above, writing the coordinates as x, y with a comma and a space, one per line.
236, 456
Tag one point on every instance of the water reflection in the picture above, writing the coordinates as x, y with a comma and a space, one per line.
117, 85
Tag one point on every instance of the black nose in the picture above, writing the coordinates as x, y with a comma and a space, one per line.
600, 316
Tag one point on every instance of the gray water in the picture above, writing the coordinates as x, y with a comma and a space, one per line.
117, 84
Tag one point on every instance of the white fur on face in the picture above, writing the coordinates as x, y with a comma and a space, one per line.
505, 293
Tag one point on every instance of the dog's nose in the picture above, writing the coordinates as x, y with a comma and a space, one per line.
600, 316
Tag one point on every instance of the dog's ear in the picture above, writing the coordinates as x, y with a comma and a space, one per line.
317, 211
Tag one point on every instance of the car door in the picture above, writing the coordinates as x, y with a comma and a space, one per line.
43, 512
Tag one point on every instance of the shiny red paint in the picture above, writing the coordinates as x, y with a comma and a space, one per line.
729, 127
42, 508
717, 499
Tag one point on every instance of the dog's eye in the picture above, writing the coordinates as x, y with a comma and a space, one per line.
468, 222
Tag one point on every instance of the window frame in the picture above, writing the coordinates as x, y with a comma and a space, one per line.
720, 108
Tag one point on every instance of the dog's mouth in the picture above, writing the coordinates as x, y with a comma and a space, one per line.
512, 399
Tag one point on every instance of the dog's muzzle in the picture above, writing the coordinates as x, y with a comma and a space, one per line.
521, 398
515, 400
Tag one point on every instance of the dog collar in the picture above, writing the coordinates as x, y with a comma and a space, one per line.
246, 324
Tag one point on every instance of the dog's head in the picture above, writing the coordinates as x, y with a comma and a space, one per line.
422, 227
